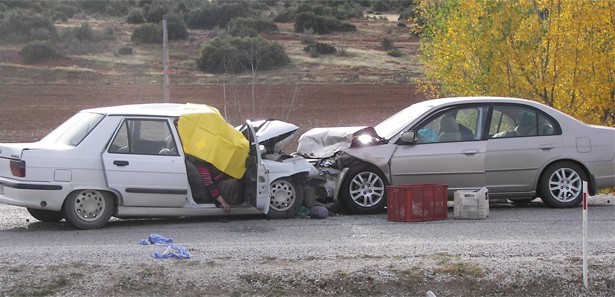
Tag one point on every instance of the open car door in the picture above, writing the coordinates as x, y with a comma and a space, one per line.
258, 191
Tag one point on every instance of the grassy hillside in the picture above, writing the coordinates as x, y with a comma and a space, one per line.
360, 58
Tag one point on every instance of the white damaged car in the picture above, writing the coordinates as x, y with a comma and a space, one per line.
130, 161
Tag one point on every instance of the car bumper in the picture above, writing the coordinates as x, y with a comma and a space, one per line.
33, 194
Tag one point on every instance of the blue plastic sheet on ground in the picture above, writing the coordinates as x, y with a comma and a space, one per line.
156, 239
172, 251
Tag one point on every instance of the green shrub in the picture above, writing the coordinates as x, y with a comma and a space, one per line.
37, 51
125, 51
41, 34
320, 48
237, 54
320, 25
239, 25
68, 10
210, 15
147, 33
387, 43
176, 28
83, 32
395, 53
21, 23
155, 13
284, 16
346, 27
135, 16
109, 33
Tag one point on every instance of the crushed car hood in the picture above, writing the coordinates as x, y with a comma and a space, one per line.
325, 142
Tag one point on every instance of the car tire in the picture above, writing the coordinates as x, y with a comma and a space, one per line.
88, 209
364, 190
46, 215
286, 198
561, 185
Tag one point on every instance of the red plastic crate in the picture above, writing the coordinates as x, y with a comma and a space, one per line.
416, 203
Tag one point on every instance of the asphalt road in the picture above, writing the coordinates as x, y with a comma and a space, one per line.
533, 230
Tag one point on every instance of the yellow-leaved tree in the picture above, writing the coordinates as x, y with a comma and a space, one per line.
558, 52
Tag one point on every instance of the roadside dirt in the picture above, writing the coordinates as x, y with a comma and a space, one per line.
30, 111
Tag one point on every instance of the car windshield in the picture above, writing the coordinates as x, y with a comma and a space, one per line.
395, 123
75, 129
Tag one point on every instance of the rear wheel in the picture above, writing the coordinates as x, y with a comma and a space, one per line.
88, 209
561, 185
364, 190
286, 198
46, 215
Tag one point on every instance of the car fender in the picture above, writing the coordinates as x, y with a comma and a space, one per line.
379, 156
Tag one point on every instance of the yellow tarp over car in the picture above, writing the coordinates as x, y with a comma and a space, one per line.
206, 135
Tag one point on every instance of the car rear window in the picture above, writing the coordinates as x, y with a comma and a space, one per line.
75, 129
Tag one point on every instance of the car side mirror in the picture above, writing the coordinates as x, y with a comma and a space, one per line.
408, 137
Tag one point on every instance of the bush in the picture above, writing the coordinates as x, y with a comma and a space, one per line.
320, 48
237, 54
41, 34
387, 43
155, 13
125, 51
147, 33
83, 32
210, 15
67, 10
176, 28
257, 25
320, 25
395, 53
37, 51
284, 16
22, 23
135, 16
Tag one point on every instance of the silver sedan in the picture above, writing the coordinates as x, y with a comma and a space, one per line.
518, 149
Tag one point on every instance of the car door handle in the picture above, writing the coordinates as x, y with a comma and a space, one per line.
470, 152
546, 147
120, 163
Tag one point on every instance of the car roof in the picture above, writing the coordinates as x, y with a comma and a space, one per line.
154, 109
480, 99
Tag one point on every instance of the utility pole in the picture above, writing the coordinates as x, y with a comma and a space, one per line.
165, 61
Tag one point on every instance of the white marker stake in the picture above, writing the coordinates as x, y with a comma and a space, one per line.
585, 282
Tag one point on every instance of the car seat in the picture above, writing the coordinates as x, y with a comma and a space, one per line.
526, 124
449, 129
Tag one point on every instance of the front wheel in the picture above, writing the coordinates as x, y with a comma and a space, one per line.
561, 185
364, 190
286, 198
88, 209
46, 215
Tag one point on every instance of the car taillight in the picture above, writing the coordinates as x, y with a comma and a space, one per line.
18, 168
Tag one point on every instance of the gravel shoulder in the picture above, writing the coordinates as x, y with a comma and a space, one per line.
528, 251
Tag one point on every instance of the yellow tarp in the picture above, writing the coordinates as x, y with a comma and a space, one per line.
207, 136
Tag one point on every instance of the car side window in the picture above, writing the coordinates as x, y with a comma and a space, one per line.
144, 137
461, 124
519, 121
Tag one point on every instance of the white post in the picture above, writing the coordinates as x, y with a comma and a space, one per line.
165, 62
585, 281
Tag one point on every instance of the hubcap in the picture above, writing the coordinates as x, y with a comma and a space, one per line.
282, 195
565, 184
367, 189
89, 205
